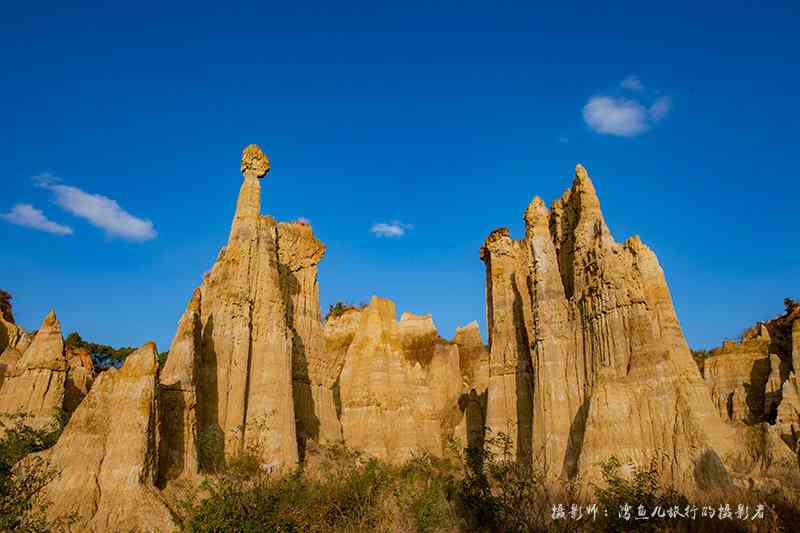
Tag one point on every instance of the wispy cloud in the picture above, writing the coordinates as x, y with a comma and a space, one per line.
100, 211
660, 108
624, 116
632, 83
30, 217
395, 228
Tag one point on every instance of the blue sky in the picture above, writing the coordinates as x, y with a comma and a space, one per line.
122, 129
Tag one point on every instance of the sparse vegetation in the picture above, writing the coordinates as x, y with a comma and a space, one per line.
5, 306
340, 308
700, 357
22, 506
476, 490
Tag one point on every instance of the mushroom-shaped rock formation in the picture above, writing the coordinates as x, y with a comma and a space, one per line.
229, 381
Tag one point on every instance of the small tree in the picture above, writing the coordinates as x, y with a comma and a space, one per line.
5, 306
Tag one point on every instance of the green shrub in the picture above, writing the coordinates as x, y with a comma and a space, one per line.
22, 506
621, 494
340, 308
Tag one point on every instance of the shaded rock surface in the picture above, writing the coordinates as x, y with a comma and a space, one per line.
753, 380
80, 376
314, 372
178, 447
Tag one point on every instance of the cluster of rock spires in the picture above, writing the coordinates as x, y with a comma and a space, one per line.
586, 359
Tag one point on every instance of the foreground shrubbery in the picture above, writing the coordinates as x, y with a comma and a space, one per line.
477, 490
342, 490
22, 508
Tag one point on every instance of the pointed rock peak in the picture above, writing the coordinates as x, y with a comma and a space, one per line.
46, 350
581, 173
536, 212
254, 162
50, 322
142, 362
583, 183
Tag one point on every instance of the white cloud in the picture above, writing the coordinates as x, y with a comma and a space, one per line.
28, 216
660, 108
632, 83
395, 228
100, 211
626, 116
616, 116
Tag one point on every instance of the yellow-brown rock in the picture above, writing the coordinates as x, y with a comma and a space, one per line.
587, 356
400, 385
244, 379
314, 373
12, 336
796, 345
107, 455
36, 384
743, 369
474, 368
80, 377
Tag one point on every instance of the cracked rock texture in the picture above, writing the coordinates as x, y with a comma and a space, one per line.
587, 357
80, 376
243, 367
314, 371
402, 387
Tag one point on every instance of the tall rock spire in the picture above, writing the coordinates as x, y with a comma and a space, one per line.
244, 379
583, 335
254, 166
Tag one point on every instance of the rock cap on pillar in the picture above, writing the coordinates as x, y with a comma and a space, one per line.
254, 162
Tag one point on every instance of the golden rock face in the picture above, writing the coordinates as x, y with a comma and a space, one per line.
254, 161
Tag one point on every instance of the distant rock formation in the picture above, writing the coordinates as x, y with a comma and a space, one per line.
403, 390
753, 380
34, 381
107, 455
587, 356
80, 376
